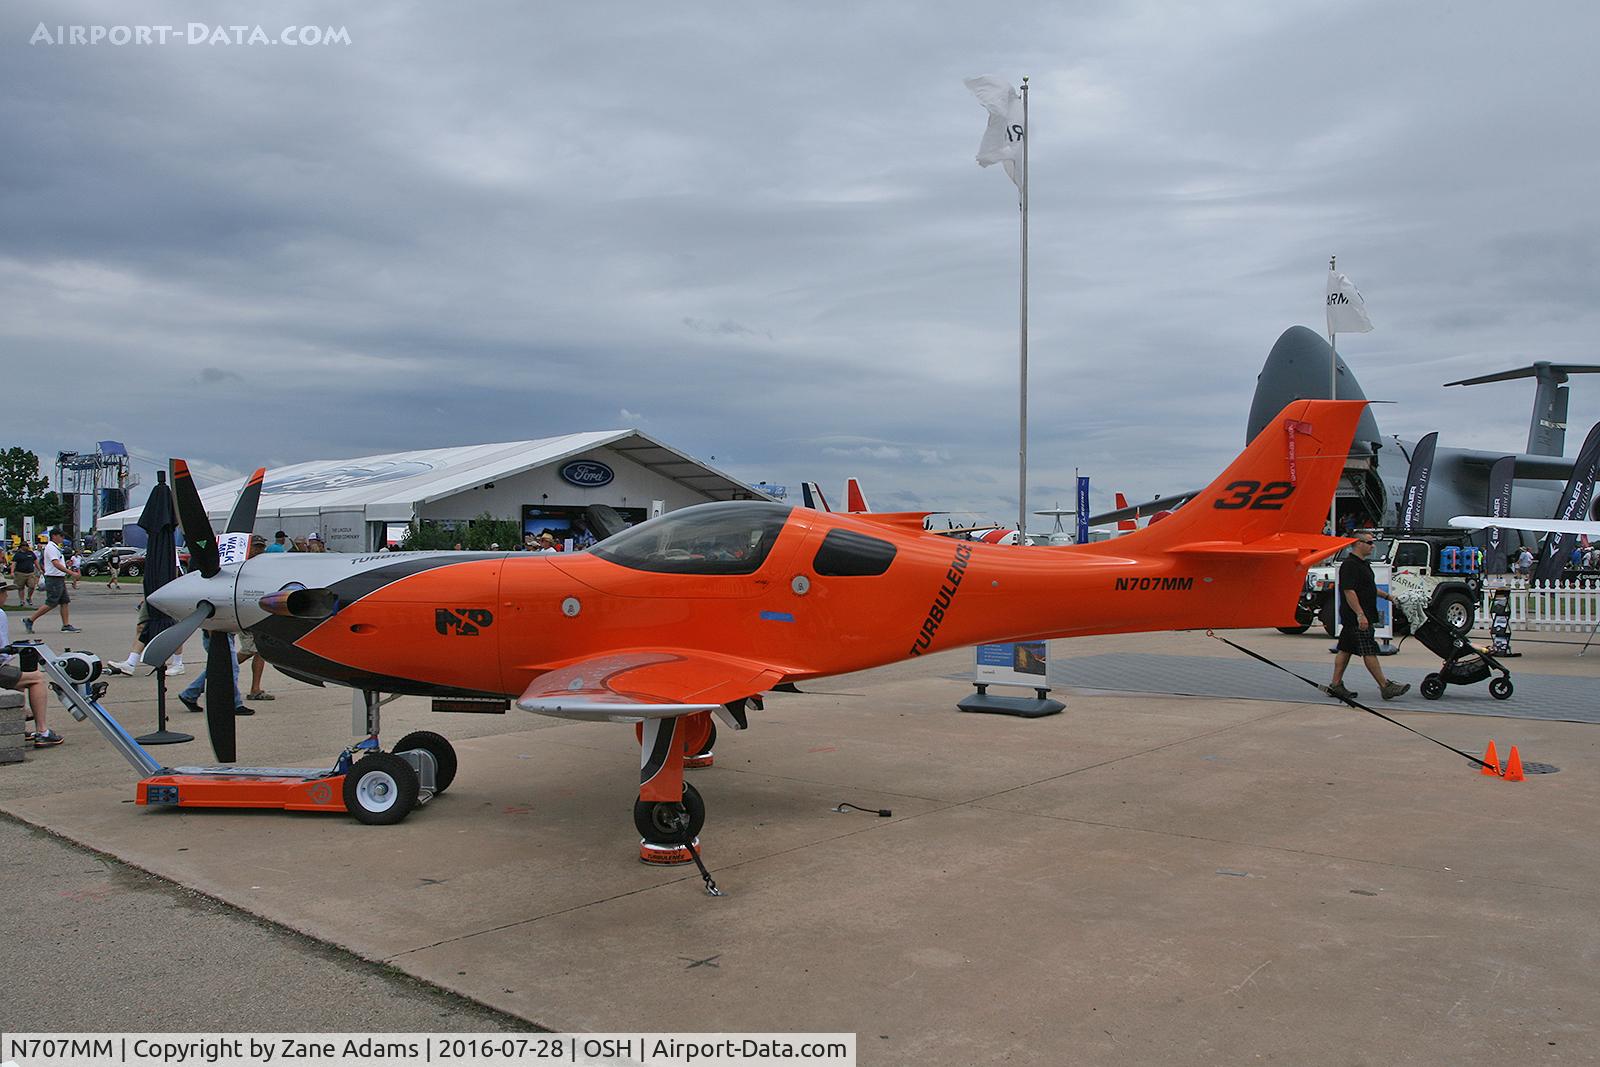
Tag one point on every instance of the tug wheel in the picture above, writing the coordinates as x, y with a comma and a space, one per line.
1500, 688
381, 789
444, 756
663, 822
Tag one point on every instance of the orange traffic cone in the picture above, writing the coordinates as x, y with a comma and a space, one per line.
1514, 766
1492, 760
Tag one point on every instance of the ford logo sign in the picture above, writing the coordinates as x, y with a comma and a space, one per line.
588, 473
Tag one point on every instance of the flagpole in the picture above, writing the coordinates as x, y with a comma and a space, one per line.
1333, 394
1022, 451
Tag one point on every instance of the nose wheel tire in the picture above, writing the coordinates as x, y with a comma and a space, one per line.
664, 822
1500, 688
444, 756
1433, 687
381, 789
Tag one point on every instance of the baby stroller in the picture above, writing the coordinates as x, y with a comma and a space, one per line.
1463, 664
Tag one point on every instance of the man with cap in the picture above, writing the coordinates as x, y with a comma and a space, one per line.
56, 573
280, 542
31, 684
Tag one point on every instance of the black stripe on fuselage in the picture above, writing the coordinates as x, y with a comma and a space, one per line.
277, 636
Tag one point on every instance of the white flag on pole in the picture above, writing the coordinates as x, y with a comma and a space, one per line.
1002, 138
1347, 312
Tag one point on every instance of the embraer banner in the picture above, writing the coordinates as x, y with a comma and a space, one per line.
1574, 505
1416, 494
1500, 477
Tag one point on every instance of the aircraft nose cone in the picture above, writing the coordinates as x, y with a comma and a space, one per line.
178, 597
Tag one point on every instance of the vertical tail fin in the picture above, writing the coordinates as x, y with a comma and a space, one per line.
812, 493
1126, 524
1279, 487
854, 499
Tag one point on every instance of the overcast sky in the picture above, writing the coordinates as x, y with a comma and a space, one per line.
757, 231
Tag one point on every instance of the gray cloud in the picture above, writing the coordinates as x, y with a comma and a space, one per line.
765, 228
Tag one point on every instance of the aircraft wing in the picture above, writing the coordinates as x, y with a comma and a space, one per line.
1551, 468
1513, 522
1149, 507
639, 684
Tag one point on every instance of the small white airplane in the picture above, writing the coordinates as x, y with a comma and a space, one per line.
1575, 527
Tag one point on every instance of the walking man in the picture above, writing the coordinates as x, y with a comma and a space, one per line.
56, 573
1358, 610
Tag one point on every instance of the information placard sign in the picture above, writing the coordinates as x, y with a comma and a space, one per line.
1021, 663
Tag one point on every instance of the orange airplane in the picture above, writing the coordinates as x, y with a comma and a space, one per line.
700, 611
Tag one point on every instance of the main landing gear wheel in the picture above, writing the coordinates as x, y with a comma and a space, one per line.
663, 822
1500, 688
1294, 629
381, 789
1433, 687
444, 756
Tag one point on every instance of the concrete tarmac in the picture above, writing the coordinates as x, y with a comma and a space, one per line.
1145, 878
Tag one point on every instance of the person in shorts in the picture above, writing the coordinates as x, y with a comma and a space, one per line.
56, 574
25, 573
31, 684
247, 642
1358, 611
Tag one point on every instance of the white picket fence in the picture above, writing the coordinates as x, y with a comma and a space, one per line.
1556, 605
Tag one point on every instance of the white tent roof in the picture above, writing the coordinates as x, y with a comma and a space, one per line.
394, 485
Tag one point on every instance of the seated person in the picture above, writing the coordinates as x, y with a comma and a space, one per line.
31, 684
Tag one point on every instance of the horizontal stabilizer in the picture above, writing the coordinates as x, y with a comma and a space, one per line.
1304, 549
914, 521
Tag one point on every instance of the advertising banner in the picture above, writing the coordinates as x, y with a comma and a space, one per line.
1416, 492
1574, 505
1019, 663
1500, 477
1083, 510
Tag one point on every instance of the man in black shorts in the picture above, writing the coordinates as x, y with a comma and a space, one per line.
1358, 610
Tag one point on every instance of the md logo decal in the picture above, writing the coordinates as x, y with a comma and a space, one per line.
462, 622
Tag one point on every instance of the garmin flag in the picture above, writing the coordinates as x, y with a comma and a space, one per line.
1574, 505
1500, 475
1416, 493
1347, 312
1083, 510
1002, 138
